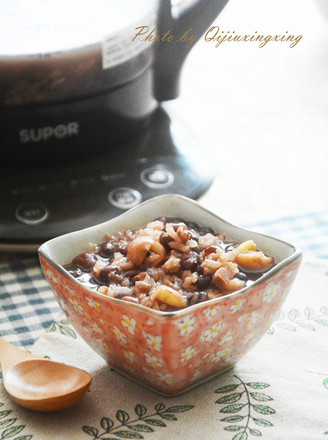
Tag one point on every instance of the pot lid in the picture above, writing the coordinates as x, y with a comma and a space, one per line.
30, 27
52, 50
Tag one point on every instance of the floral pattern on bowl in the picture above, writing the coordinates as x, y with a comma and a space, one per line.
170, 352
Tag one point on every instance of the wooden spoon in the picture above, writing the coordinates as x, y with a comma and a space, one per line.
38, 383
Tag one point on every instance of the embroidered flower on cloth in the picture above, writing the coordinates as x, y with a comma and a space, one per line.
186, 325
130, 324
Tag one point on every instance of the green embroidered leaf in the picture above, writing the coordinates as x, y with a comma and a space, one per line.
261, 397
325, 382
262, 409
305, 325
179, 408
232, 419
240, 436
10, 432
24, 437
270, 331
65, 322
66, 331
154, 422
255, 432
140, 410
309, 312
4, 413
106, 423
230, 398
128, 434
122, 416
90, 430
324, 310
262, 422
258, 385
233, 428
141, 428
168, 416
106, 438
280, 316
52, 328
232, 408
322, 321
286, 326
6, 423
293, 314
160, 407
227, 388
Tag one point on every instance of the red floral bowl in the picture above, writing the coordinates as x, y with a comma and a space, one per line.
170, 352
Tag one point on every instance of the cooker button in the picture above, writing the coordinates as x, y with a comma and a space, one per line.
124, 198
31, 213
157, 177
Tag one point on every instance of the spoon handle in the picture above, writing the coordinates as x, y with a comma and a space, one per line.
10, 354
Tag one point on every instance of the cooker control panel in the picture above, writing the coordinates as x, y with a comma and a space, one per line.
38, 204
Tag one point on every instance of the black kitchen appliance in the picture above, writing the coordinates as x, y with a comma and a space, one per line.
84, 131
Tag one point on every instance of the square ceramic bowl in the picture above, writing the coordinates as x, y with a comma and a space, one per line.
170, 352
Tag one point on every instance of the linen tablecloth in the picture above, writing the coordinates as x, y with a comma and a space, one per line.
278, 390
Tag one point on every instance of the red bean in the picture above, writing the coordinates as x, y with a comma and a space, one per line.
211, 250
107, 249
190, 261
85, 261
203, 282
165, 239
203, 296
111, 273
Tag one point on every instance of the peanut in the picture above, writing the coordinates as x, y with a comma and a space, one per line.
139, 248
246, 246
169, 296
252, 260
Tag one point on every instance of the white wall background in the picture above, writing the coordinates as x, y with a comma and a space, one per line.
263, 113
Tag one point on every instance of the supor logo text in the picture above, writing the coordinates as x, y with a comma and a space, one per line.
60, 131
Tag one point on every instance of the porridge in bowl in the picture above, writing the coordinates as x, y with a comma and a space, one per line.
169, 264
170, 304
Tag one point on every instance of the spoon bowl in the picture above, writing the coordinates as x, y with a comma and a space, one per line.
40, 384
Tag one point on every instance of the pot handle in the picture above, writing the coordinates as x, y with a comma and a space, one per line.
170, 55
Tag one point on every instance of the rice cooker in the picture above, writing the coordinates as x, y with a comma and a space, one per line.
83, 112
